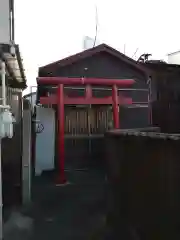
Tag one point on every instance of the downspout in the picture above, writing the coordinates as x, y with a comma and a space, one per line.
3, 77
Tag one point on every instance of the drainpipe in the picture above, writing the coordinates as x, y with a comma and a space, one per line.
1, 201
3, 78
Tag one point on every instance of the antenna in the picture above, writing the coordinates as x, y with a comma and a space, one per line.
95, 38
124, 48
135, 52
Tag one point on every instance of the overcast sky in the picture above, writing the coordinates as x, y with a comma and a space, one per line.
50, 30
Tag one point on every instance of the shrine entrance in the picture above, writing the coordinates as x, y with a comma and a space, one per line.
82, 119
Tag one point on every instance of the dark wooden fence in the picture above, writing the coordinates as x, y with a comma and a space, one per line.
166, 115
144, 185
84, 132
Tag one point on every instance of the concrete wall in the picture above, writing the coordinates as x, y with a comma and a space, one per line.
26, 153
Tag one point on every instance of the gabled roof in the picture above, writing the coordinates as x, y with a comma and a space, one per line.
90, 52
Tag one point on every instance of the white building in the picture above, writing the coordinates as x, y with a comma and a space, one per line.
174, 58
89, 42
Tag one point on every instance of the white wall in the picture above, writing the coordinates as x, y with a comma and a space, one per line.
88, 42
45, 141
174, 58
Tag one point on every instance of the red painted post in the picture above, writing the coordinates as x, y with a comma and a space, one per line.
115, 100
88, 92
61, 148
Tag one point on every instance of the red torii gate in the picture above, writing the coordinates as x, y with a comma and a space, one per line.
60, 99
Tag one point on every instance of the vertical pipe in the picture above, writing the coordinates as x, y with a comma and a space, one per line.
61, 146
115, 100
3, 83
3, 78
88, 91
13, 26
149, 102
1, 200
149, 114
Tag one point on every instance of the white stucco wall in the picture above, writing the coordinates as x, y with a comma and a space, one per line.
45, 141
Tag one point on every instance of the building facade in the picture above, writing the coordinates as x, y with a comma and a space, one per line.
100, 62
